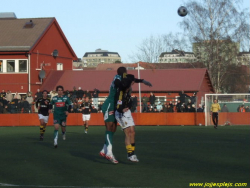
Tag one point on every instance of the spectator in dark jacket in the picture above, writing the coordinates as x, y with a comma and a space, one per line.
152, 99
4, 101
75, 107
93, 109
189, 103
193, 98
1, 108
183, 97
25, 105
3, 94
79, 93
178, 106
193, 108
95, 96
39, 94
200, 109
224, 108
134, 103
87, 94
169, 108
144, 103
73, 93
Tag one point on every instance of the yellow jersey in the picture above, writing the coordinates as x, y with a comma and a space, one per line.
215, 107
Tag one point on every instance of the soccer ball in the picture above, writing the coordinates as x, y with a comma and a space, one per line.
182, 11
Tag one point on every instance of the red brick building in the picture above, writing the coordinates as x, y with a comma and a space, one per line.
28, 46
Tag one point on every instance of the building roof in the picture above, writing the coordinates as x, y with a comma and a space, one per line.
22, 35
105, 54
15, 37
179, 52
171, 80
144, 65
114, 66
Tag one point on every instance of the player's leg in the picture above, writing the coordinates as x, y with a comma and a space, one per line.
111, 127
87, 123
40, 116
213, 118
56, 128
109, 137
63, 127
216, 119
45, 119
127, 123
83, 120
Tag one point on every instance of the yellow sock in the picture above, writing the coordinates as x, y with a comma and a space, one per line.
44, 128
133, 148
41, 129
129, 149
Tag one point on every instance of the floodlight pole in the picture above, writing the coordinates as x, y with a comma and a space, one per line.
139, 85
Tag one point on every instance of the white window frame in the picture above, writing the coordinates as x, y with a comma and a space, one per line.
16, 71
59, 66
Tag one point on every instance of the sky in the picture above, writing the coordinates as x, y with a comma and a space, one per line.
113, 25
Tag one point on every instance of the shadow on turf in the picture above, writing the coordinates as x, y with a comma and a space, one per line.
96, 158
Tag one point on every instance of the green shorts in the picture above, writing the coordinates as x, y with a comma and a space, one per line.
61, 120
107, 107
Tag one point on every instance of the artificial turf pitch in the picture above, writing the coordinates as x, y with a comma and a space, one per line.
170, 156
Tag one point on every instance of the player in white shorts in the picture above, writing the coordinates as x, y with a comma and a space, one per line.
44, 108
123, 114
86, 107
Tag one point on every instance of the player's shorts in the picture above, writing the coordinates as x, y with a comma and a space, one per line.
44, 118
107, 107
124, 119
86, 117
61, 120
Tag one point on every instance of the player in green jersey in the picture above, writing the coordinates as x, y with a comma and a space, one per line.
62, 106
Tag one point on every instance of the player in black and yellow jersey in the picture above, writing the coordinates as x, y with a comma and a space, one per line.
123, 113
44, 108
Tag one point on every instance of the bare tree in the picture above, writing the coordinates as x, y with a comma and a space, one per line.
218, 29
151, 48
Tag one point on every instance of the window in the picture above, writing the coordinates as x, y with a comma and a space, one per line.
59, 66
1, 65
10, 66
22, 65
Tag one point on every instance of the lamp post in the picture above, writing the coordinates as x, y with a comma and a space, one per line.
139, 85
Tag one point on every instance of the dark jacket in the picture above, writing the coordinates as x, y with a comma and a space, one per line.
178, 107
144, 100
95, 93
79, 93
200, 109
88, 94
152, 99
182, 97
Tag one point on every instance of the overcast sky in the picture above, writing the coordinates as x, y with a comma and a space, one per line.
113, 25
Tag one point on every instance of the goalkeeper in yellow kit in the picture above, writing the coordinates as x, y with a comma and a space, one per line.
215, 108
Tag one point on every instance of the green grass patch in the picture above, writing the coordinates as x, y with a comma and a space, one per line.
170, 156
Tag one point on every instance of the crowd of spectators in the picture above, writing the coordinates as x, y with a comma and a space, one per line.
185, 103
25, 103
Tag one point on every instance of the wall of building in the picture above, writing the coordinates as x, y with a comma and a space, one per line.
42, 54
